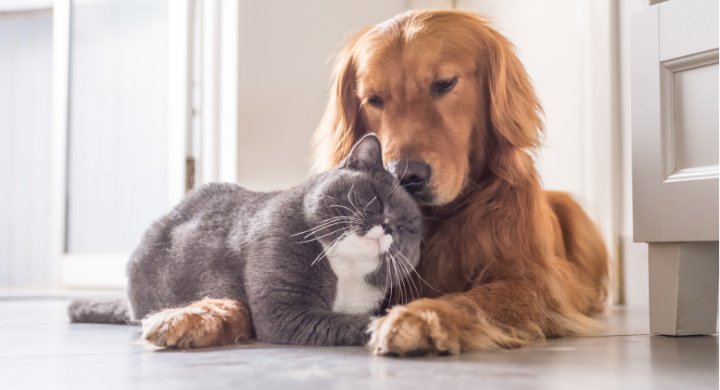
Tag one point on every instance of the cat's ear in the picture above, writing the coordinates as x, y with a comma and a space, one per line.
366, 154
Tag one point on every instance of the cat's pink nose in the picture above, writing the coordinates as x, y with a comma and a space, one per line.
375, 233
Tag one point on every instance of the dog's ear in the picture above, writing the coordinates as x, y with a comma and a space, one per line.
343, 122
366, 155
515, 112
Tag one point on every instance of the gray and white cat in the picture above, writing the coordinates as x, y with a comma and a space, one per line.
312, 263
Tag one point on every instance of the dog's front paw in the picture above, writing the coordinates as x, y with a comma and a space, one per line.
413, 330
205, 323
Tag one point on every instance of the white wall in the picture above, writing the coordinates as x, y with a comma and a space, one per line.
549, 42
286, 59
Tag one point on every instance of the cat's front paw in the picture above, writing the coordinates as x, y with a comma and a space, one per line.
205, 323
413, 330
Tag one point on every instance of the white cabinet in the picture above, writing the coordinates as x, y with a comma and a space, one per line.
674, 89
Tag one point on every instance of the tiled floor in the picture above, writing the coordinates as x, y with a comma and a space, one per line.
39, 349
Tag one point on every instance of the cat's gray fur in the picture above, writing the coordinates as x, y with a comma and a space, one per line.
100, 311
224, 241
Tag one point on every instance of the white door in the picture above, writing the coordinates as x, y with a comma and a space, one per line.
25, 107
119, 130
674, 88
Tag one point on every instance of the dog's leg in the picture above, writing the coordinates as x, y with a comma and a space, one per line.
504, 314
584, 248
205, 323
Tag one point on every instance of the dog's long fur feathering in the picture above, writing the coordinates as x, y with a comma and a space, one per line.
504, 263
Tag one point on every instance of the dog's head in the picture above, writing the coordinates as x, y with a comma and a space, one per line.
445, 94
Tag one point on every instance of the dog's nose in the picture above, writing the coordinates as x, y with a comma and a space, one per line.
413, 175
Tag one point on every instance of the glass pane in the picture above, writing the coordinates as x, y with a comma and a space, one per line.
117, 171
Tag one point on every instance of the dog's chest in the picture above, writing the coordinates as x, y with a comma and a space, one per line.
351, 261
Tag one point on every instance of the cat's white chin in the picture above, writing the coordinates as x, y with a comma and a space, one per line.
351, 259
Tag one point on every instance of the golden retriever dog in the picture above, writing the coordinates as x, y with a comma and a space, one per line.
504, 263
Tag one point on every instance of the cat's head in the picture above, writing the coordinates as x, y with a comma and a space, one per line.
361, 209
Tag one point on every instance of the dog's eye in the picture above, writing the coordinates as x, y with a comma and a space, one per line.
441, 87
375, 101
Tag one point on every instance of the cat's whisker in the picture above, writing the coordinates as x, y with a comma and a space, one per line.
327, 250
418, 274
355, 214
336, 215
323, 228
335, 243
397, 181
334, 218
398, 280
406, 283
323, 236
329, 215
366, 206
390, 276
408, 274
350, 200
317, 228
401, 283
407, 164
324, 222
408, 270
387, 287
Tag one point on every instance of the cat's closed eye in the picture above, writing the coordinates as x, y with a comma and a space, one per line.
405, 229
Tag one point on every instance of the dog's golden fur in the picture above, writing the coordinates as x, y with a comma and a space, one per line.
205, 323
514, 263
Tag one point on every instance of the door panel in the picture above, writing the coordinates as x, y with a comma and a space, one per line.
675, 122
695, 131
689, 101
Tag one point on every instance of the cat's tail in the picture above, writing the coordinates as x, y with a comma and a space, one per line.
100, 311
